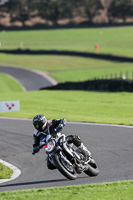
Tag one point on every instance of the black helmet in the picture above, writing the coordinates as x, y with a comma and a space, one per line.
39, 122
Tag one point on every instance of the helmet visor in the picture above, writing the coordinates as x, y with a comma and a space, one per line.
44, 126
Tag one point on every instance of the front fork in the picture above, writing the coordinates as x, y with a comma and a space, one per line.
59, 150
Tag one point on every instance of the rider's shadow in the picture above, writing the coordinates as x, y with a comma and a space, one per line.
39, 182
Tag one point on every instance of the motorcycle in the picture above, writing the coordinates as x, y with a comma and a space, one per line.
68, 160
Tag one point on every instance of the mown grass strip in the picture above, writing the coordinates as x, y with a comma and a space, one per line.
117, 41
67, 68
107, 71
8, 84
104, 191
5, 172
84, 106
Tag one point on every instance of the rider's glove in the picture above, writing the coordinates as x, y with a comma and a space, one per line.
59, 127
36, 150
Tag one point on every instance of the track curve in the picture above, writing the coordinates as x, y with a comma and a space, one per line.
111, 146
29, 79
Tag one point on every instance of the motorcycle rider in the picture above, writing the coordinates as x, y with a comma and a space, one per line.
46, 127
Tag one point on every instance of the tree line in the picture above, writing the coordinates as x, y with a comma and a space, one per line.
55, 10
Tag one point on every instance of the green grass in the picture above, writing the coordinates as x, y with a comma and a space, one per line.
100, 107
67, 68
104, 191
116, 41
5, 172
101, 70
50, 63
8, 84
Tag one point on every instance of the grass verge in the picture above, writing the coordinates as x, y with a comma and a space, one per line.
116, 41
8, 84
68, 68
105, 191
5, 172
84, 106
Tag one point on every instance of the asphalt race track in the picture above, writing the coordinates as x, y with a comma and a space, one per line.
27, 78
111, 146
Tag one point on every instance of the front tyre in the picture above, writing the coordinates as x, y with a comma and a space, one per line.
67, 170
92, 168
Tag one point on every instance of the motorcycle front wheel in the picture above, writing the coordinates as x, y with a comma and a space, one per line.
92, 168
67, 170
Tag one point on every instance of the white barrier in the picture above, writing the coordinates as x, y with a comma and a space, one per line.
8, 106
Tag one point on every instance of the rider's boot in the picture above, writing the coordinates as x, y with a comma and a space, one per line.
85, 151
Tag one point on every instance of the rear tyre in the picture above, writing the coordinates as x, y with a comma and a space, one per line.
92, 168
67, 170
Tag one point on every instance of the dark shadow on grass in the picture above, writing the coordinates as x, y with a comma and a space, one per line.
101, 85
69, 53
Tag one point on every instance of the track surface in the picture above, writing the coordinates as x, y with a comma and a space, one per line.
111, 146
27, 78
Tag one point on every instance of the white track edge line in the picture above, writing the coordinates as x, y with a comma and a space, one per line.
84, 123
23, 88
16, 171
46, 76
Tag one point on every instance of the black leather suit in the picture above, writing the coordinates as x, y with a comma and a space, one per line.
51, 126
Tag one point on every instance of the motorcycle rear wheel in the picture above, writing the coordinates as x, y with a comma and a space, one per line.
92, 168
68, 171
